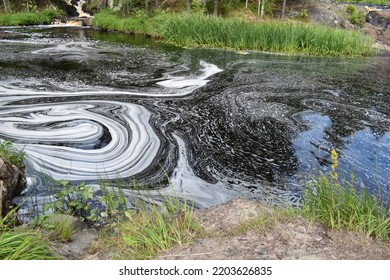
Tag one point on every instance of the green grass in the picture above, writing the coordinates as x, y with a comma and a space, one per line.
150, 229
59, 227
21, 243
342, 206
9, 153
198, 30
34, 18
138, 24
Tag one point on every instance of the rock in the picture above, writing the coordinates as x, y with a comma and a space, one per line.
379, 18
77, 248
12, 182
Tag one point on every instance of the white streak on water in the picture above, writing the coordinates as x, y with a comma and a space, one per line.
187, 86
191, 82
132, 149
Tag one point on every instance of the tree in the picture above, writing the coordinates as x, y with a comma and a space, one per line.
7, 7
284, 9
147, 7
216, 4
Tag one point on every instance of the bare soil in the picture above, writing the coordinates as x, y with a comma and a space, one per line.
289, 238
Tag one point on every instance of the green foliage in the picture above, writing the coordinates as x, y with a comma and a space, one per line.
29, 18
136, 24
342, 206
80, 200
152, 228
21, 243
356, 17
200, 30
8, 152
130, 6
71, 200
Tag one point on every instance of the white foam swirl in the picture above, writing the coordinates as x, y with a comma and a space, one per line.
131, 149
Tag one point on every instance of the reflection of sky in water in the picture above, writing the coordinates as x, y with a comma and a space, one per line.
362, 153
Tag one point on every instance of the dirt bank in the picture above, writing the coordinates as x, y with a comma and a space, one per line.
287, 238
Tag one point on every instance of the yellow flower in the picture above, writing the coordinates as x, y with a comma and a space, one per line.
335, 161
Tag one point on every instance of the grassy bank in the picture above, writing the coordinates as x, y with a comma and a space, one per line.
34, 18
198, 30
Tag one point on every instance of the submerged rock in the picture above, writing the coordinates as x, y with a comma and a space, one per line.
12, 182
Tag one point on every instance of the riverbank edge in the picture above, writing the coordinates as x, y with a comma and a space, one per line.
289, 37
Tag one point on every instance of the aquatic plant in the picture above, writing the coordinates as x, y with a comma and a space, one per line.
344, 206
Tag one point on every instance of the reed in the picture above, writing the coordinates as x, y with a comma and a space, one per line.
234, 33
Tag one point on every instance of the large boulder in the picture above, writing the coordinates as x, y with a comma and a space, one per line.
12, 182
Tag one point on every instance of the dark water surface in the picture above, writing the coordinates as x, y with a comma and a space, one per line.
219, 124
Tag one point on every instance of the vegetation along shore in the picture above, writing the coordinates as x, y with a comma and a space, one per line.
271, 26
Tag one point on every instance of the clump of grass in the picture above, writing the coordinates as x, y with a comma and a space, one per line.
342, 206
200, 30
9, 153
144, 232
356, 17
59, 227
22, 244
22, 18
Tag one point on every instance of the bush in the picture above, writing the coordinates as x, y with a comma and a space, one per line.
356, 17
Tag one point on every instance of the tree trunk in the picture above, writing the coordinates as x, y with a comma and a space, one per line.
284, 10
7, 7
188, 5
262, 8
147, 7
216, 3
156, 4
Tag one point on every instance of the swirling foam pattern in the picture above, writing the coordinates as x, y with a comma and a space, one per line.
58, 138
